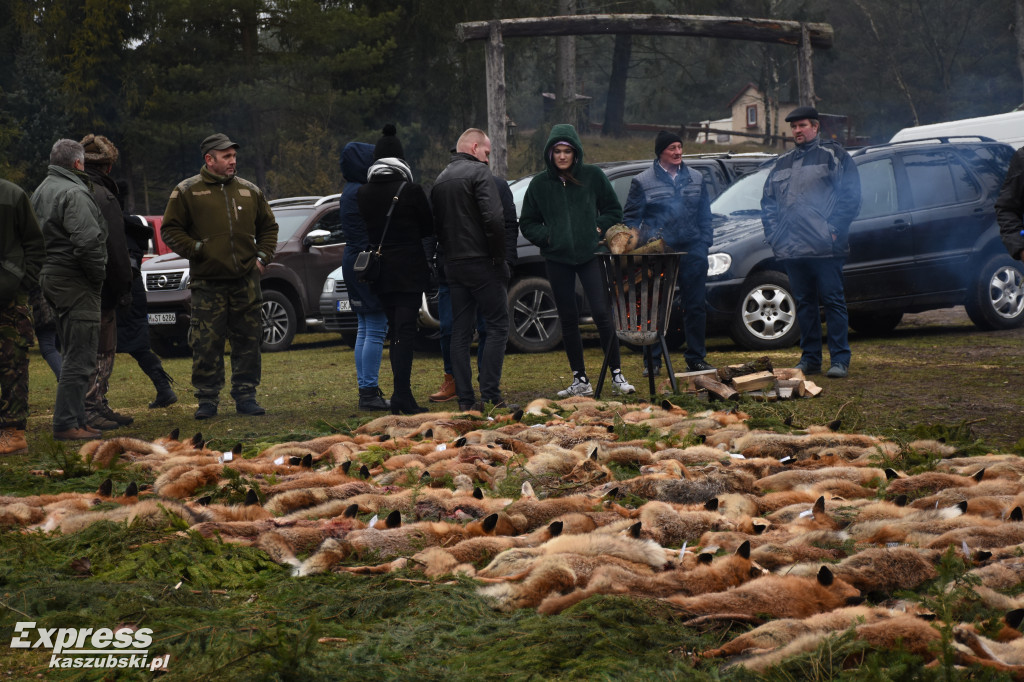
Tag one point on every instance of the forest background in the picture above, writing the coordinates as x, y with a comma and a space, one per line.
294, 80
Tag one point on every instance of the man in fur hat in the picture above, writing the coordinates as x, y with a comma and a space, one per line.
100, 156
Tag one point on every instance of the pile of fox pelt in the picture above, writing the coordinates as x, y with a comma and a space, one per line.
794, 533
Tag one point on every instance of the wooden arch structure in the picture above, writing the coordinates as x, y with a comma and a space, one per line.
802, 35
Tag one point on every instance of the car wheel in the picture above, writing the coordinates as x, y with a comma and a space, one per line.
875, 324
997, 301
279, 321
533, 318
765, 317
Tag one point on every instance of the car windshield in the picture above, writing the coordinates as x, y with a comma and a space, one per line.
743, 197
518, 188
289, 220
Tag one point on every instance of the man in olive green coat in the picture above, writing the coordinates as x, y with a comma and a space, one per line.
76, 257
224, 226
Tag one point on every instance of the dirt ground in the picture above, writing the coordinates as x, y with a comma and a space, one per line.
937, 369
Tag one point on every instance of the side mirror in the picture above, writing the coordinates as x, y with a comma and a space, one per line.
317, 238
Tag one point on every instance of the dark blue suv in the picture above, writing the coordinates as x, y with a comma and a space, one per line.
925, 238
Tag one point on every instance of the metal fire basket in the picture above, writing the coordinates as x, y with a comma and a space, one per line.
641, 288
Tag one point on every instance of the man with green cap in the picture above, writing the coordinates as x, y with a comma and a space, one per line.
224, 226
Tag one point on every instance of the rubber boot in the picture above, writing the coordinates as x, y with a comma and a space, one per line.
372, 399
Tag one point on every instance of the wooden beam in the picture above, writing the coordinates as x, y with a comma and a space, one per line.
804, 70
736, 28
496, 129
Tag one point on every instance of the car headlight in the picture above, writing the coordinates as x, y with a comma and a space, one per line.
718, 263
329, 286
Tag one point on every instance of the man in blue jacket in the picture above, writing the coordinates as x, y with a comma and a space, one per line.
810, 198
670, 201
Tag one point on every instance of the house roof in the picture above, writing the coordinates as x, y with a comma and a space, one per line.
739, 94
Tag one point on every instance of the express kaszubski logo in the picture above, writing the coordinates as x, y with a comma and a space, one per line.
91, 648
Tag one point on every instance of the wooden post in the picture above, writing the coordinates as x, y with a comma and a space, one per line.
496, 128
804, 70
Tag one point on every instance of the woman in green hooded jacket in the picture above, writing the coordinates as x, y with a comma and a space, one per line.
565, 213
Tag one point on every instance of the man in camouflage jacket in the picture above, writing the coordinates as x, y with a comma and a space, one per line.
224, 226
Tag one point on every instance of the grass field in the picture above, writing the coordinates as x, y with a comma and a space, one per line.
226, 612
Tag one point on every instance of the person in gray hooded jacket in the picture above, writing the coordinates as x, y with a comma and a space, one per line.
810, 198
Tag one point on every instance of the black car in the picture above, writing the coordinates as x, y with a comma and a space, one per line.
925, 238
533, 319
291, 283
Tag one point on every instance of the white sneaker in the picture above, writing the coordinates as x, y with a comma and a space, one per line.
620, 385
577, 387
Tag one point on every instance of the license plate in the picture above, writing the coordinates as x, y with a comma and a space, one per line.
163, 318
344, 305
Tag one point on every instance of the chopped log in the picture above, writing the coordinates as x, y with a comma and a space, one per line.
754, 382
716, 389
762, 364
689, 377
793, 386
784, 373
812, 389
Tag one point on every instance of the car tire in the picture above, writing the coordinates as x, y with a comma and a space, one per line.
765, 315
279, 321
875, 324
533, 319
997, 298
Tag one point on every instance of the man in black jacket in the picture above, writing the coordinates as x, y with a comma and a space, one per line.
1010, 207
469, 222
100, 156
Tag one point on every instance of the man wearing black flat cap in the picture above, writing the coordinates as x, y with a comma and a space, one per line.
810, 198
224, 226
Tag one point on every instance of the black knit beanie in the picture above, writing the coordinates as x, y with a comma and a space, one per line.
663, 140
388, 145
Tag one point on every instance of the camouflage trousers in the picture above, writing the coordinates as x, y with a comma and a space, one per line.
99, 382
15, 338
77, 305
226, 310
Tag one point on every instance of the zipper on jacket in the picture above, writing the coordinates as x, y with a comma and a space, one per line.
231, 227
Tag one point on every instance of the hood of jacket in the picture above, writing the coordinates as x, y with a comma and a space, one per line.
563, 132
356, 159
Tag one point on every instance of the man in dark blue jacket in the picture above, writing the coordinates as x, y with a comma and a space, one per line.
670, 201
810, 198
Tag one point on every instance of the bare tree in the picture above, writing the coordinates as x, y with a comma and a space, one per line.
891, 60
615, 109
565, 47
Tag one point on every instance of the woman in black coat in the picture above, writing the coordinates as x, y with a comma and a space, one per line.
404, 274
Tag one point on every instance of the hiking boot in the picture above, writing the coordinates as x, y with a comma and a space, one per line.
121, 419
698, 366
76, 434
579, 386
12, 441
807, 368
206, 411
372, 398
837, 371
250, 407
619, 383
164, 396
101, 422
446, 392
467, 407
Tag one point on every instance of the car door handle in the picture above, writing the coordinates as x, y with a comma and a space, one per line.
901, 225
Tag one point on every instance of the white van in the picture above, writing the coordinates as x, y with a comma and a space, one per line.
1008, 128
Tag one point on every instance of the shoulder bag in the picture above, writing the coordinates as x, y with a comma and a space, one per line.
367, 265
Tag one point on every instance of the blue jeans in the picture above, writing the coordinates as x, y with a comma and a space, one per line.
815, 280
444, 317
373, 327
692, 287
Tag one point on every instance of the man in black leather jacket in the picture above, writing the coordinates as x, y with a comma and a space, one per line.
470, 224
